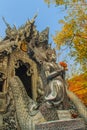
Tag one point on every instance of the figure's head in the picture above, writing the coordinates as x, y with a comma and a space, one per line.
51, 55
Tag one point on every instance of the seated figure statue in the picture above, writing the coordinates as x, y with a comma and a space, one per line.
55, 92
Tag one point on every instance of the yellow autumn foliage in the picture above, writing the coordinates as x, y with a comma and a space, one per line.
62, 2
78, 85
62, 36
74, 30
74, 34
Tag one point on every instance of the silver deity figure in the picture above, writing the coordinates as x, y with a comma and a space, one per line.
55, 90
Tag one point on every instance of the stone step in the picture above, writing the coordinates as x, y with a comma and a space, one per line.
69, 124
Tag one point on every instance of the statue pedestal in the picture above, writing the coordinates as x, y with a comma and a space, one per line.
64, 114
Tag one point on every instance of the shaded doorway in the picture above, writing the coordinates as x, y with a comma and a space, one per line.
21, 72
1, 86
1, 82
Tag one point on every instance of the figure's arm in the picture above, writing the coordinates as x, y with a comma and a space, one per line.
51, 75
54, 74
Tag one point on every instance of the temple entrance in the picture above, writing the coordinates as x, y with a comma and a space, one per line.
1, 86
2, 81
21, 72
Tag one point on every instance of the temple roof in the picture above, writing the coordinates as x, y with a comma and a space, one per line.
26, 38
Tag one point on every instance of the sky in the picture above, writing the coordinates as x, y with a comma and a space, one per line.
17, 12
